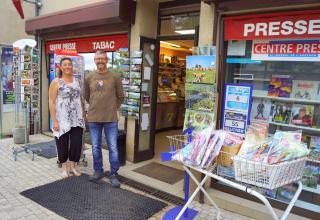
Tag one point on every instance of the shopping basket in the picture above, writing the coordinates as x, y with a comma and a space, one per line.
268, 176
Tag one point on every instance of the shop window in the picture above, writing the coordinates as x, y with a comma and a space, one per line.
286, 93
184, 24
89, 64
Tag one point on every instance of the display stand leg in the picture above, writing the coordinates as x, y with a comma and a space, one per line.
187, 214
200, 187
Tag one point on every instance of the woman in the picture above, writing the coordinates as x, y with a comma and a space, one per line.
67, 117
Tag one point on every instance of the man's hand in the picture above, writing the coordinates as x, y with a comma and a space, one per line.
85, 117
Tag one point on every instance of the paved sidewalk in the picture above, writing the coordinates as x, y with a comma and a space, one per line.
23, 174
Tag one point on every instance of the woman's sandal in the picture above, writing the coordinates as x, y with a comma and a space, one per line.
65, 174
75, 172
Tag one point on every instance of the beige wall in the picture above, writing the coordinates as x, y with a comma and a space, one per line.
12, 29
145, 25
50, 6
206, 24
12, 26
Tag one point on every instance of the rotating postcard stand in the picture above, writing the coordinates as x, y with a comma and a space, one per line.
22, 97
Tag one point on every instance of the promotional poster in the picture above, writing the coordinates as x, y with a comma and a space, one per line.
7, 75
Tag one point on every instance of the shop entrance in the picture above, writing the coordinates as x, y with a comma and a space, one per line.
170, 91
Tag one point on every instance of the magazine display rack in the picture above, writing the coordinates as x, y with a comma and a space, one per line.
250, 177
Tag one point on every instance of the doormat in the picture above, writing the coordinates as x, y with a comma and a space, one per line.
161, 172
45, 149
77, 198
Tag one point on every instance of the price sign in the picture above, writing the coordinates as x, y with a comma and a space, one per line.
235, 122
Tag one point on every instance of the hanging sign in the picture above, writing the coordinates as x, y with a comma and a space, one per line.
303, 50
285, 25
236, 108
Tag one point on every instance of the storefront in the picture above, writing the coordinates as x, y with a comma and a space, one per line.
85, 29
167, 38
278, 54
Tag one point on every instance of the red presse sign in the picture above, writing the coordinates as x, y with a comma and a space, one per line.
87, 45
288, 50
289, 25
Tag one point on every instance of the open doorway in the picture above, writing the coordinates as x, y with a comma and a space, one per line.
170, 91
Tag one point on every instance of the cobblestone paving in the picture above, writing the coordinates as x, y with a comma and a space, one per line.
23, 174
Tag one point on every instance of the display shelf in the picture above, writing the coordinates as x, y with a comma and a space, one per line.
252, 79
313, 190
295, 126
308, 206
282, 99
313, 161
170, 68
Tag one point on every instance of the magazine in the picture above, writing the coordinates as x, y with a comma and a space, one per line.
302, 115
200, 97
281, 112
304, 89
316, 117
201, 69
315, 147
280, 86
198, 120
260, 109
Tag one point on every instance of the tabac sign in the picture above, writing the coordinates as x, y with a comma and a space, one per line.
87, 45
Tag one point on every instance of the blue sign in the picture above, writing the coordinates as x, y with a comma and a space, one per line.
243, 61
236, 108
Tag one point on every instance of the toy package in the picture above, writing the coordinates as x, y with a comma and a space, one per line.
214, 148
191, 153
203, 149
284, 146
257, 134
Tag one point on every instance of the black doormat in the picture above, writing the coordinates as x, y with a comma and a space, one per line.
45, 149
76, 198
161, 172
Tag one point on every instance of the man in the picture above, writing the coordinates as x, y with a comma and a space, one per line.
104, 93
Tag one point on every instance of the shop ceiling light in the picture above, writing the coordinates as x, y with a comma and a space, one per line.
191, 31
170, 44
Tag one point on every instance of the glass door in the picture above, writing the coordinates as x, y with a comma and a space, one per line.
145, 128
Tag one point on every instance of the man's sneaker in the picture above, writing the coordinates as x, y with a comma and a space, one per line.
114, 181
96, 177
